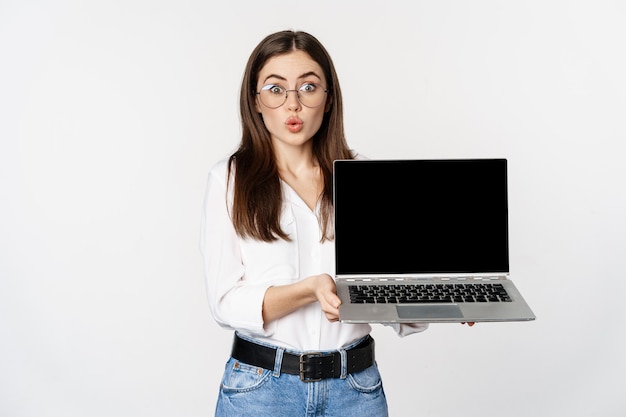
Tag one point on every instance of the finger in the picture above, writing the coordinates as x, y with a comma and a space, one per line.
331, 312
330, 309
332, 317
332, 300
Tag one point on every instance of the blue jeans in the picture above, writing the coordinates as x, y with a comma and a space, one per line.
251, 391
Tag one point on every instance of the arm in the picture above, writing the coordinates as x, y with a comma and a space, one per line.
234, 302
281, 300
251, 296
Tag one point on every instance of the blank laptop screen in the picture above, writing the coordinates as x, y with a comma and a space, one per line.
421, 216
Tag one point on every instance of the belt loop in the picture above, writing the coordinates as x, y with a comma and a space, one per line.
278, 361
344, 363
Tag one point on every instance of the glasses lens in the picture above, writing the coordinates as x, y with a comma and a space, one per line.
311, 95
272, 95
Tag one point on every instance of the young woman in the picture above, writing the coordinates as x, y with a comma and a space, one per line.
267, 242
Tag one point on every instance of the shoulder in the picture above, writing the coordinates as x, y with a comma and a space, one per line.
219, 170
358, 156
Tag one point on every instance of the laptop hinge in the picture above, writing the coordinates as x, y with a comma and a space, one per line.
455, 278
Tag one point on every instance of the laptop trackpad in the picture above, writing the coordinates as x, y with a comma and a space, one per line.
429, 311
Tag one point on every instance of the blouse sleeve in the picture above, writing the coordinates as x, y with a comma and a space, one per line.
405, 329
234, 302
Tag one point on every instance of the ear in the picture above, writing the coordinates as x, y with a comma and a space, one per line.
256, 104
328, 105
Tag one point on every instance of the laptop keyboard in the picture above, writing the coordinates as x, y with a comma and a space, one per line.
428, 293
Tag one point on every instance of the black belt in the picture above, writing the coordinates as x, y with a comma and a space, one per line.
311, 366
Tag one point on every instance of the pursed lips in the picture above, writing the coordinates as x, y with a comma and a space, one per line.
294, 124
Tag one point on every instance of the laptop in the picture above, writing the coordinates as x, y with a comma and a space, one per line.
424, 241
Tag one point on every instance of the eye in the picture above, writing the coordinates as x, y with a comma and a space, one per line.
274, 89
308, 88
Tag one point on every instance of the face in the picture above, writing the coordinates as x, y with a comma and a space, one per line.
292, 124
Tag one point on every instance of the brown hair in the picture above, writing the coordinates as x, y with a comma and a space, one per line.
257, 200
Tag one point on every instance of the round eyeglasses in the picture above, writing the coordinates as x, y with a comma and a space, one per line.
309, 95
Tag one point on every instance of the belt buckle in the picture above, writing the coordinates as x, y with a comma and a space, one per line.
303, 360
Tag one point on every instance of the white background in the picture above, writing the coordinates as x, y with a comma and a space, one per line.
112, 112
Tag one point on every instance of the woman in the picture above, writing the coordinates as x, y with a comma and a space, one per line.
267, 242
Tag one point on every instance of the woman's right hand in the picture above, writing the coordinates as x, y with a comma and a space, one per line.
285, 299
325, 290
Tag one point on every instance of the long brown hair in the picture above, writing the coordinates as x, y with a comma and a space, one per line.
258, 196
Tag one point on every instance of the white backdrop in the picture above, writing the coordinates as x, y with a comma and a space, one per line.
111, 114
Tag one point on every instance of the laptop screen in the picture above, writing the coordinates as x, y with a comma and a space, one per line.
421, 216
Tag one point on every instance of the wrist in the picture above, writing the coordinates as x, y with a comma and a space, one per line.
309, 288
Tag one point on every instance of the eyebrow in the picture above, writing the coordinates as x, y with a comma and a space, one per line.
280, 77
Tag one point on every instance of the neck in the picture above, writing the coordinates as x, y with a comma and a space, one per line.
296, 160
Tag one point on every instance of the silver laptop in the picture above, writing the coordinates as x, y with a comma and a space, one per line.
424, 241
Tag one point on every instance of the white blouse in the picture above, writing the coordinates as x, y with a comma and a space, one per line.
239, 271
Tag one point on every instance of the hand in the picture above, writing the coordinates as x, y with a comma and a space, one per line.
326, 293
469, 323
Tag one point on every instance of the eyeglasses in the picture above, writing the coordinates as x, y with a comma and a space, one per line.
309, 94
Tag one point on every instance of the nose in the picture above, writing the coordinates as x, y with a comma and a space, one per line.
292, 101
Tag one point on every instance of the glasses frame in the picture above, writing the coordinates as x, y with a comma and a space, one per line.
258, 93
